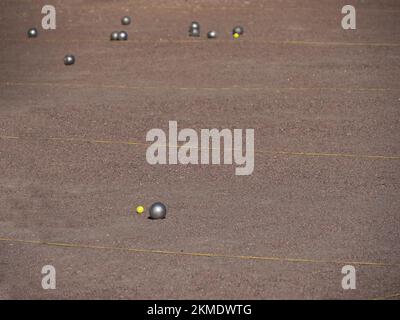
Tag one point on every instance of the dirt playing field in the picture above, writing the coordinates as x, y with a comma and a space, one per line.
325, 192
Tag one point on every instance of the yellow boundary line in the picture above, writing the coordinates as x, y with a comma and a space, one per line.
198, 254
272, 152
230, 88
388, 297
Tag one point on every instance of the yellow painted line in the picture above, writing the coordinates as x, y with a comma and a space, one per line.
228, 88
289, 153
333, 43
198, 254
204, 41
388, 297
93, 141
345, 155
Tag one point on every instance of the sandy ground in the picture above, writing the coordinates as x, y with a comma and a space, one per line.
324, 104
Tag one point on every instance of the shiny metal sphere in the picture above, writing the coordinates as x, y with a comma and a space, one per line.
114, 35
69, 59
194, 25
32, 33
126, 20
194, 32
239, 30
122, 35
158, 211
212, 34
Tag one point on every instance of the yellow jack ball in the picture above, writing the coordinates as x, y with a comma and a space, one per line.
236, 35
140, 210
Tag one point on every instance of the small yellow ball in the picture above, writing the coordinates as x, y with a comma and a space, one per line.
236, 35
140, 210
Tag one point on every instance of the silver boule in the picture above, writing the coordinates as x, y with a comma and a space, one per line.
122, 36
158, 211
69, 59
32, 33
194, 32
194, 25
114, 36
212, 34
238, 29
126, 20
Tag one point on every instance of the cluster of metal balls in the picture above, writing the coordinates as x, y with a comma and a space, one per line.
69, 59
121, 35
194, 31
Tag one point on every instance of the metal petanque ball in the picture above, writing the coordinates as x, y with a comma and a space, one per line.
114, 36
122, 36
69, 59
239, 30
212, 35
32, 33
194, 25
158, 211
126, 20
194, 32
